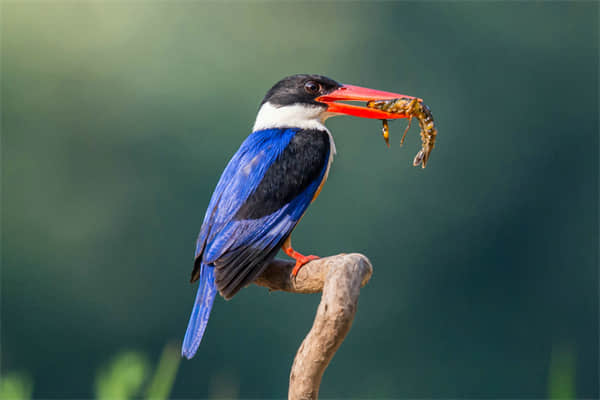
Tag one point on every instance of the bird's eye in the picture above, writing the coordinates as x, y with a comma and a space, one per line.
312, 87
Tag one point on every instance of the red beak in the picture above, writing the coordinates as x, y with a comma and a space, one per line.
357, 93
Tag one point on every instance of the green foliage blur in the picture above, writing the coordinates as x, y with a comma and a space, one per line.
121, 379
117, 119
124, 376
561, 382
15, 386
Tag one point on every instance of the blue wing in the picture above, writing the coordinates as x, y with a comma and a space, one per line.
262, 194
244, 229
240, 178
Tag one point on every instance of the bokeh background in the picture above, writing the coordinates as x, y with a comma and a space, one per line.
118, 118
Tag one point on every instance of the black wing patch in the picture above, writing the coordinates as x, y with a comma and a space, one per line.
298, 166
237, 269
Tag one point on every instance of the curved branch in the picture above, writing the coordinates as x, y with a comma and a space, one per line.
340, 278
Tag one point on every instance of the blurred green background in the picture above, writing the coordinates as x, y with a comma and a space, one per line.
118, 118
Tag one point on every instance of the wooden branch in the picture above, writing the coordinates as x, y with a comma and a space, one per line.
340, 278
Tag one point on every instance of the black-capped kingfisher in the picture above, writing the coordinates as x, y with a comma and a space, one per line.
267, 186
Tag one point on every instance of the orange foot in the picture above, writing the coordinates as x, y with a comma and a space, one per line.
300, 259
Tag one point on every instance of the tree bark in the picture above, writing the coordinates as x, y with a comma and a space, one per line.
340, 278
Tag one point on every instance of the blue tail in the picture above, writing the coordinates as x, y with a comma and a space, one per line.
202, 306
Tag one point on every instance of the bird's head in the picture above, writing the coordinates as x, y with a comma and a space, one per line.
306, 101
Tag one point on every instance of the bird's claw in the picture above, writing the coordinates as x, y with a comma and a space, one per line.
300, 262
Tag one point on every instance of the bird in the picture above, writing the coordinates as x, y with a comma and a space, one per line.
266, 187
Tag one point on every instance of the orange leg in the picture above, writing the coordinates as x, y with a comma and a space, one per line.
300, 259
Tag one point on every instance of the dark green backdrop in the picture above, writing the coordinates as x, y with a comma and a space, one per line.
118, 118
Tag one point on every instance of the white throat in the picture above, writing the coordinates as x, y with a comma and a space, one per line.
293, 116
